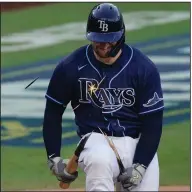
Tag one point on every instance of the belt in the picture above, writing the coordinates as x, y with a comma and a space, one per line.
118, 134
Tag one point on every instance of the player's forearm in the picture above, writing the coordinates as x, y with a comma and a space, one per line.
150, 138
52, 129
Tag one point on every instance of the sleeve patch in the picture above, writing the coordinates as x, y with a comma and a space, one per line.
153, 101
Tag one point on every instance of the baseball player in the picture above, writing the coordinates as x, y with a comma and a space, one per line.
115, 88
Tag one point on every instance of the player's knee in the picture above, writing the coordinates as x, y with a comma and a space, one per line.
100, 162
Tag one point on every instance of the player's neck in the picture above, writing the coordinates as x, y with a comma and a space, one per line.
109, 60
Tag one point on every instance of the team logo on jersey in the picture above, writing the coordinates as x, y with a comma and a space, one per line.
156, 99
109, 99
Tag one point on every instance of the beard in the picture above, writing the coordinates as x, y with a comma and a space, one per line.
102, 53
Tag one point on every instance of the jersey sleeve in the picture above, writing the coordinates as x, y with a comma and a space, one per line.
60, 85
151, 94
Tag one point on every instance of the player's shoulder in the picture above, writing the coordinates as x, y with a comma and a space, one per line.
141, 60
70, 60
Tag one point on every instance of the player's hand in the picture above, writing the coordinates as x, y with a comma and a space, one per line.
132, 177
57, 166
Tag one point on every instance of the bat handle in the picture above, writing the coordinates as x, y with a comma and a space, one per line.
70, 168
64, 185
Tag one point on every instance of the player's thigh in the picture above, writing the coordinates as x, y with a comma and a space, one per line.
98, 155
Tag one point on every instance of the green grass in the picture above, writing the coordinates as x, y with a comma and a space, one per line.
60, 13
26, 168
62, 49
174, 154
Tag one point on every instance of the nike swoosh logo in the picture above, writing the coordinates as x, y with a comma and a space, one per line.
79, 68
51, 155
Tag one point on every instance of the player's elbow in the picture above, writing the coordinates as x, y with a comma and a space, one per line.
152, 123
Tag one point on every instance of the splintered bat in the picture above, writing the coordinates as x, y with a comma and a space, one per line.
121, 166
31, 82
72, 165
111, 144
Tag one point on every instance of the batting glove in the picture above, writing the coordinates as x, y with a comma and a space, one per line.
132, 177
57, 166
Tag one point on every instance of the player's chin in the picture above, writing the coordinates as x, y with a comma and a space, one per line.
103, 54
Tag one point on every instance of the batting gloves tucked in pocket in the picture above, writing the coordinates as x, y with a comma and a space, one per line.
132, 177
57, 166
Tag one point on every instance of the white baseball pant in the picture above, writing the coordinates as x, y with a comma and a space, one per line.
99, 163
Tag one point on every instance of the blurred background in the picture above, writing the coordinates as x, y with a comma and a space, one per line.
34, 37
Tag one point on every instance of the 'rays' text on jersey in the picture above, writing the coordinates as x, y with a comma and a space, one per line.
109, 99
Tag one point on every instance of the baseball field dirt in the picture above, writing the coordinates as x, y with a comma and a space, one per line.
162, 188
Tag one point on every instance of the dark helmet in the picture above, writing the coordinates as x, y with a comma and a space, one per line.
105, 24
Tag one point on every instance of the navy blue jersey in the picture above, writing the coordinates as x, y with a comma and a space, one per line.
111, 97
